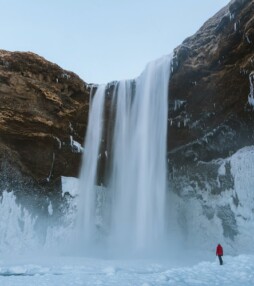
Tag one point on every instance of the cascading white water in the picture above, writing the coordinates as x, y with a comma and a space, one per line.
136, 180
86, 211
139, 158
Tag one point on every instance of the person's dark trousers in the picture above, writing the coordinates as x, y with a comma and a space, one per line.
220, 259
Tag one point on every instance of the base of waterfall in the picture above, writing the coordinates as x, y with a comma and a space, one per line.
73, 271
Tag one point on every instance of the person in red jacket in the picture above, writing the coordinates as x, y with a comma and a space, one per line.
219, 253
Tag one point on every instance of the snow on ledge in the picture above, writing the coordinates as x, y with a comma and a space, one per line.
76, 147
70, 185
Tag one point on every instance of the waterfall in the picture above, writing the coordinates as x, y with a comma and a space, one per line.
134, 212
87, 207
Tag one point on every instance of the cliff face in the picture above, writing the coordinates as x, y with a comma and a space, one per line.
43, 109
210, 114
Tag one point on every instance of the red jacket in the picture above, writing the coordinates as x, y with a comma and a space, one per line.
219, 250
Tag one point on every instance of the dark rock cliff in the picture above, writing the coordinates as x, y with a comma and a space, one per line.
210, 115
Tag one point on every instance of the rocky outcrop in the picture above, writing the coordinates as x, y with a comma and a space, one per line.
43, 110
210, 115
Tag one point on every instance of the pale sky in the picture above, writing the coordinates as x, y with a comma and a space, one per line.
101, 40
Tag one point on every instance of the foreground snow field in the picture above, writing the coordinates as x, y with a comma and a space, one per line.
84, 271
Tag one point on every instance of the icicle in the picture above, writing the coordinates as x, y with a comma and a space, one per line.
70, 126
251, 94
179, 104
248, 39
58, 141
235, 27
51, 169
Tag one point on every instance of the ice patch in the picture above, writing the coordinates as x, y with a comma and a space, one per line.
50, 209
24, 270
109, 271
222, 170
76, 147
16, 226
70, 185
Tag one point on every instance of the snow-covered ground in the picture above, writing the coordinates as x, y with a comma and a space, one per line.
71, 271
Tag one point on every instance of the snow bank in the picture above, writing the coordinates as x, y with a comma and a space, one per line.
22, 232
70, 185
66, 271
203, 217
16, 226
242, 169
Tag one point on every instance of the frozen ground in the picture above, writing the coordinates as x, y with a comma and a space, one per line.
70, 271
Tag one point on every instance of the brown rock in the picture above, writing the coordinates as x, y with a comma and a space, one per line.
42, 105
210, 87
